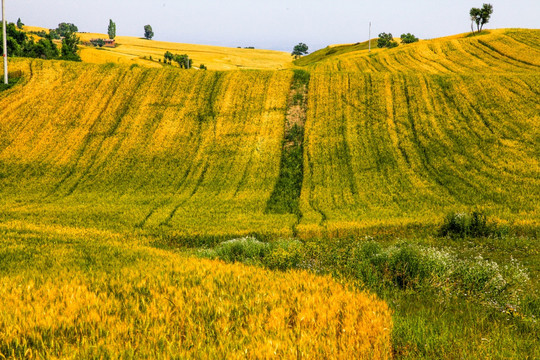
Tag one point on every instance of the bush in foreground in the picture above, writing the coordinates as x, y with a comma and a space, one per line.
403, 266
463, 225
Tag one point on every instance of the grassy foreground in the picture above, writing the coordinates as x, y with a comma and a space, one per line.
451, 298
71, 293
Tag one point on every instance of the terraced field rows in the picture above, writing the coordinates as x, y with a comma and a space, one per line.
397, 137
393, 149
122, 147
501, 52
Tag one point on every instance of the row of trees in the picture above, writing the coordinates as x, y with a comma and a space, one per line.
183, 60
19, 44
386, 40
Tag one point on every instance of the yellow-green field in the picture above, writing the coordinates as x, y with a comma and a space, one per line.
111, 168
131, 50
127, 148
399, 141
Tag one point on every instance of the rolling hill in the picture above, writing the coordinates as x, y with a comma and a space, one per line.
392, 138
118, 177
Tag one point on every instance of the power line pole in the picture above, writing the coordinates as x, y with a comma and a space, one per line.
6, 79
369, 35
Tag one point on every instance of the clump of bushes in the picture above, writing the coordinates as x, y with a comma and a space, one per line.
408, 38
402, 266
476, 224
408, 266
278, 255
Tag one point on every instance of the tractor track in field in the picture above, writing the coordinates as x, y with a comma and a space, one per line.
285, 198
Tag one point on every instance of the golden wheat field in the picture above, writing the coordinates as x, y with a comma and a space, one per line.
156, 149
73, 293
131, 50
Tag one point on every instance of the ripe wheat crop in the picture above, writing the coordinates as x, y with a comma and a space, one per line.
67, 293
131, 147
394, 149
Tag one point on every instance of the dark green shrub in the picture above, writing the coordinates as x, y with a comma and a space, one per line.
386, 41
462, 225
408, 38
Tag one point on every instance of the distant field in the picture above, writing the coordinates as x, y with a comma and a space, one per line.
138, 50
133, 50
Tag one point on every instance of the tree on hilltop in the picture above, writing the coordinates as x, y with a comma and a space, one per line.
148, 32
480, 17
386, 41
112, 29
20, 23
299, 50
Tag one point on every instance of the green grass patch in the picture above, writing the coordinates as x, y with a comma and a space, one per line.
285, 198
463, 298
12, 81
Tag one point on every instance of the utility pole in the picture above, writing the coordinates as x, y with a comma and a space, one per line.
369, 35
6, 79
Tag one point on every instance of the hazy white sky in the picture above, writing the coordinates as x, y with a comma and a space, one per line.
273, 24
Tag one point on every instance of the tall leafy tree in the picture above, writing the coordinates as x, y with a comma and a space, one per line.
19, 23
112, 29
480, 16
148, 32
66, 28
386, 40
485, 14
70, 46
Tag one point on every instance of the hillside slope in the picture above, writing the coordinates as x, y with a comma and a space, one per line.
398, 137
120, 147
500, 51
408, 134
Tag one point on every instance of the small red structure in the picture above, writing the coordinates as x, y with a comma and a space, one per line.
110, 43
